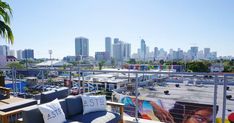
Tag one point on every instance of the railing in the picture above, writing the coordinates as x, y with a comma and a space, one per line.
165, 96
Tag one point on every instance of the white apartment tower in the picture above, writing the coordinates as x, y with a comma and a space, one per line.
19, 54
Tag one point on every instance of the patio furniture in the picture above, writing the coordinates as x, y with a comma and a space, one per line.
53, 94
10, 109
73, 108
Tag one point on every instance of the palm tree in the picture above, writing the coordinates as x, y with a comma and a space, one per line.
5, 30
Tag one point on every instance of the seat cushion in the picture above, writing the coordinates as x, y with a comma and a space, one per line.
52, 112
33, 115
93, 103
95, 117
74, 105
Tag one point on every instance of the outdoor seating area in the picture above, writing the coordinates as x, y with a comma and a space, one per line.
11, 108
72, 107
15, 109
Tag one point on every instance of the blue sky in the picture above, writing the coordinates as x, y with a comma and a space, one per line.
54, 24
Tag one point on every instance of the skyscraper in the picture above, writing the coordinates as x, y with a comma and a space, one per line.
81, 47
193, 52
180, 54
108, 45
28, 53
19, 54
127, 51
118, 51
156, 53
143, 49
4, 50
207, 53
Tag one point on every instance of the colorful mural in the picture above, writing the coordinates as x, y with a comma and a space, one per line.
179, 112
229, 119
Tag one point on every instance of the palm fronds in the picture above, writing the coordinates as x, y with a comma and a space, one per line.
5, 14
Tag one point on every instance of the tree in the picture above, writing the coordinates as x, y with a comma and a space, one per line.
228, 65
75, 63
15, 65
198, 66
5, 30
161, 62
112, 62
100, 64
132, 61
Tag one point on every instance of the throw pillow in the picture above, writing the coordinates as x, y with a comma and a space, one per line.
93, 103
52, 112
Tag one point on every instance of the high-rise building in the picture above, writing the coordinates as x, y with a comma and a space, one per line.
170, 55
162, 54
118, 51
147, 53
200, 55
28, 54
102, 56
156, 53
180, 54
4, 50
193, 52
213, 55
108, 45
207, 53
11, 53
81, 47
116, 40
19, 54
127, 51
69, 58
143, 49
3, 61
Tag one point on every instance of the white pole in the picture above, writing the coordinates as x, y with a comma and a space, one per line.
136, 95
224, 99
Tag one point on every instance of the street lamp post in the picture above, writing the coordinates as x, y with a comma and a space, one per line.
50, 52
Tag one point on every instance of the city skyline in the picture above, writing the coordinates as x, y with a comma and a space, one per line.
122, 51
44, 25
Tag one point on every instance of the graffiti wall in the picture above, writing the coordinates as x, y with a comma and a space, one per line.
168, 112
